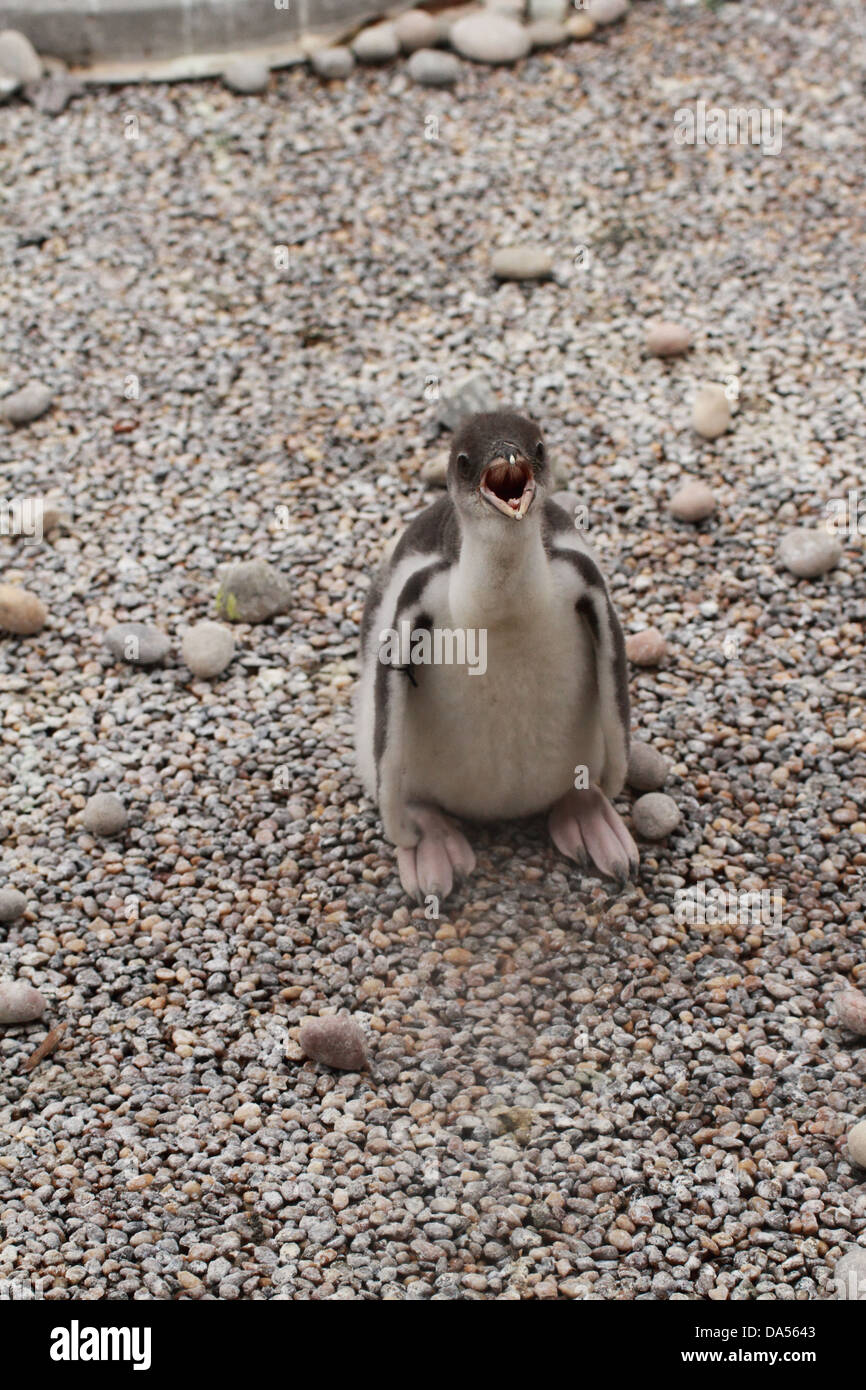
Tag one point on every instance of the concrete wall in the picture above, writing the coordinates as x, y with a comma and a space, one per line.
92, 31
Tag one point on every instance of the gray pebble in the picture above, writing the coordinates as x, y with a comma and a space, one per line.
378, 44
431, 67
246, 76
555, 10
105, 814
137, 643
810, 551
32, 401
546, 33
655, 816
521, 263
487, 37
19, 1002
335, 1041
12, 904
417, 29
648, 769
332, 63
207, 648
607, 11
472, 394
857, 1144
693, 501
252, 591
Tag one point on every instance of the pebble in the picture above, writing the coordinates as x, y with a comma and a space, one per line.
850, 1006
693, 501
655, 815
711, 413
857, 1144
19, 1002
12, 905
646, 648
809, 552
488, 37
435, 471
105, 814
431, 67
607, 11
546, 33
252, 591
20, 611
378, 44
580, 26
417, 29
137, 643
849, 1275
208, 649
666, 339
470, 395
8, 86
527, 262
555, 10
648, 769
53, 93
246, 76
335, 1041
18, 57
28, 404
332, 63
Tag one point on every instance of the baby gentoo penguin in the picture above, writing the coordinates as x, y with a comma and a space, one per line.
542, 723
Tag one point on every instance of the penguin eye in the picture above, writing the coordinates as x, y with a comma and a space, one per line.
463, 465
539, 452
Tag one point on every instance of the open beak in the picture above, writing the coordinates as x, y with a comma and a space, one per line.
508, 485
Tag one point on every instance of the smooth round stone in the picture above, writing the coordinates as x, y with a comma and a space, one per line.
693, 501
105, 814
378, 44
521, 263
12, 905
18, 57
488, 37
665, 339
546, 33
246, 76
850, 1006
334, 1041
467, 397
20, 1002
252, 591
8, 86
849, 1275
20, 611
711, 412
431, 67
607, 11
808, 552
435, 471
207, 649
857, 1144
655, 815
27, 404
333, 63
648, 769
580, 26
417, 29
138, 643
646, 648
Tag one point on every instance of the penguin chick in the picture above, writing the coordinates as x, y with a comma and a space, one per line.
544, 726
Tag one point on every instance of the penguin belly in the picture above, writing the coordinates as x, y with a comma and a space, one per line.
506, 743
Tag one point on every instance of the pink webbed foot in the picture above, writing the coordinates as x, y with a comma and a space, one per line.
442, 854
584, 826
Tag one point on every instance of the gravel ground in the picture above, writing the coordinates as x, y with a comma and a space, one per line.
570, 1094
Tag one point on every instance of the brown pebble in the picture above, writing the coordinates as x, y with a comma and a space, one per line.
665, 339
646, 648
20, 611
850, 1006
335, 1041
694, 501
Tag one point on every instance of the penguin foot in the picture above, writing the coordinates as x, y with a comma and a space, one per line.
585, 827
441, 854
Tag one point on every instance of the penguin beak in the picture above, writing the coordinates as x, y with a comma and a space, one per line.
508, 484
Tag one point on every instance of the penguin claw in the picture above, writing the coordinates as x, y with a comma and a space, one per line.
442, 854
585, 827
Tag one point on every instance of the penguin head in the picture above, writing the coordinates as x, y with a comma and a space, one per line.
498, 466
